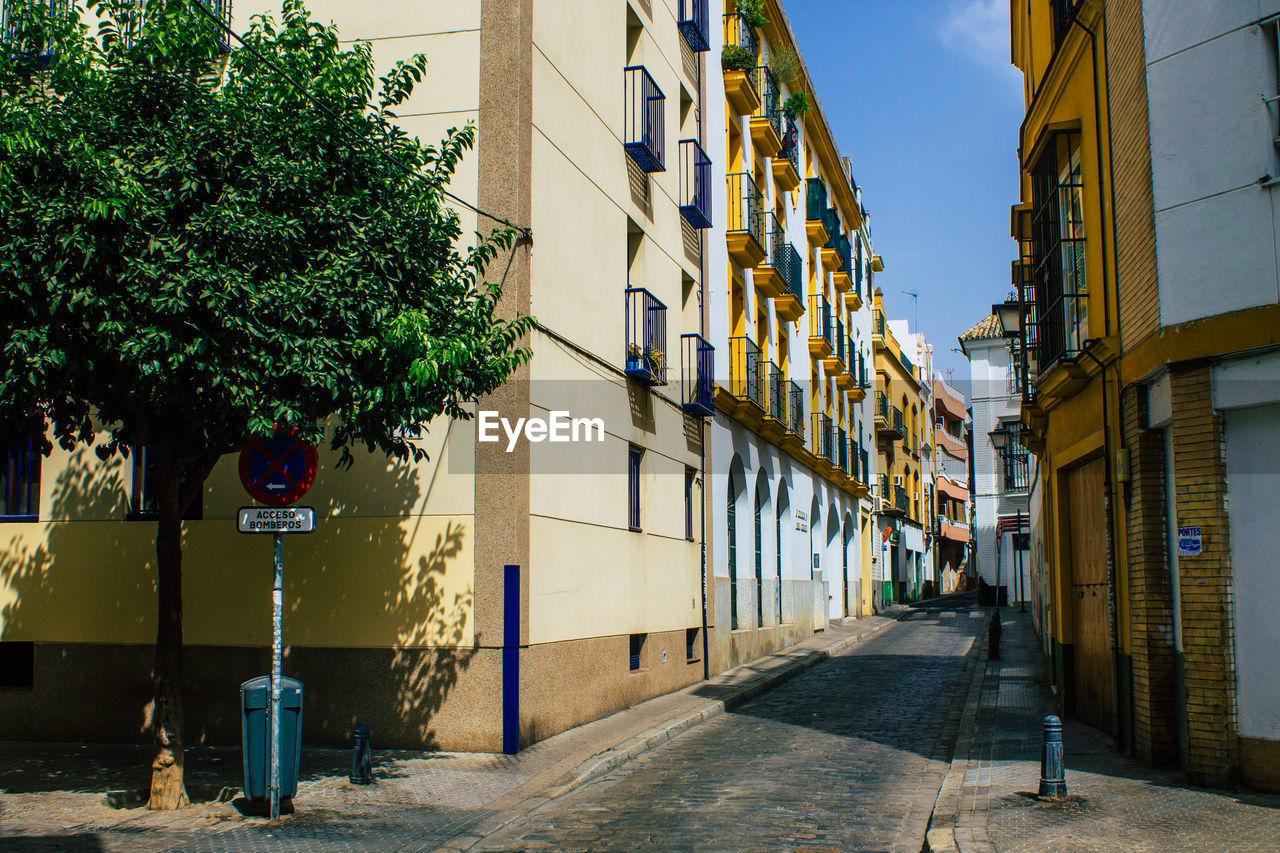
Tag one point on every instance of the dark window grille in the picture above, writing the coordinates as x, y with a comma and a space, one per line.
844, 569
635, 649
731, 520
783, 257
142, 498
842, 449
738, 33
776, 386
1058, 250
17, 664
695, 24
770, 101
815, 199
691, 645
646, 319
791, 145
644, 120
777, 541
20, 479
634, 455
1063, 13
744, 371
796, 422
697, 391
759, 528
820, 319
824, 438
690, 474
695, 184
840, 339
1017, 476
746, 207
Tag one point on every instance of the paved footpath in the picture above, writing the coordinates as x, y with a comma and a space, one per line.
86, 797
848, 756
1114, 805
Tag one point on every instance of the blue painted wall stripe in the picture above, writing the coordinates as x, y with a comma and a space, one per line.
511, 660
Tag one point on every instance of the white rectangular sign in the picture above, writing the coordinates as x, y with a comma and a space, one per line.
284, 519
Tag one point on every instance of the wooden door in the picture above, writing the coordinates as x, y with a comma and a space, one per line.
1093, 669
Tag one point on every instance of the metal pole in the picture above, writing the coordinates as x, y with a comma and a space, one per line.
1022, 599
277, 608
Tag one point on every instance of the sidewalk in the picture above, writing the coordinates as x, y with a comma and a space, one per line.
87, 797
987, 803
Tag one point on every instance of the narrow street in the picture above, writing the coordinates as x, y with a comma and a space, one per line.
848, 756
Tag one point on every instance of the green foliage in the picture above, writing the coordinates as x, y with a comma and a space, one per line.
752, 11
736, 57
784, 62
191, 252
796, 105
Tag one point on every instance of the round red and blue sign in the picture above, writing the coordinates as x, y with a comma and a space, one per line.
277, 471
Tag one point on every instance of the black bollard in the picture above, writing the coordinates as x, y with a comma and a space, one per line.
993, 638
362, 758
1053, 784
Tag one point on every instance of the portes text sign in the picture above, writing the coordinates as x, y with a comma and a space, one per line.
285, 519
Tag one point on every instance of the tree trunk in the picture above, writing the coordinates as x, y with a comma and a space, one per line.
167, 788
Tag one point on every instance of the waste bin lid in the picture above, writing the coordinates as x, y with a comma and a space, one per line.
256, 692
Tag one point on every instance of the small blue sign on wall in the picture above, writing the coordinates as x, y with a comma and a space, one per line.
1188, 541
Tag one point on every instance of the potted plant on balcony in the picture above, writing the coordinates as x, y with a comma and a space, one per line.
752, 11
655, 359
635, 358
796, 105
737, 57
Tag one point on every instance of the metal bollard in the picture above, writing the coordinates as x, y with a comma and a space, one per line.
993, 638
1053, 784
362, 758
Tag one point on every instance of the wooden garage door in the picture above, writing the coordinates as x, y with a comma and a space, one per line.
1091, 628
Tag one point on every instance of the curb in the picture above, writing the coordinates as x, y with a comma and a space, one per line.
611, 759
941, 834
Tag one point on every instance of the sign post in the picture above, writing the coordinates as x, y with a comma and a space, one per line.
276, 471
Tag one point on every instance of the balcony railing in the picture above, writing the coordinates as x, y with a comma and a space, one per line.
784, 257
1017, 475
770, 102
744, 371
842, 449
823, 438
644, 120
815, 199
791, 144
865, 479
695, 184
831, 221
900, 500
898, 420
795, 422
820, 319
738, 33
695, 24
646, 337
775, 383
840, 339
844, 249
879, 325
882, 406
697, 364
746, 206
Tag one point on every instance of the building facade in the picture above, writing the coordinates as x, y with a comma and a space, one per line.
952, 430
1151, 323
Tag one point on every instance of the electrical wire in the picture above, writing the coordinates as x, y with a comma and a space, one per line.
325, 108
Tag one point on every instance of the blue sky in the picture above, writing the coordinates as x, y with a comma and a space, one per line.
921, 95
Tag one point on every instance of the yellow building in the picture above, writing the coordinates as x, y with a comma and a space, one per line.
790, 523
904, 425
1150, 328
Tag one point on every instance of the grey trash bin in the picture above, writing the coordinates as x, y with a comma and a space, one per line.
255, 735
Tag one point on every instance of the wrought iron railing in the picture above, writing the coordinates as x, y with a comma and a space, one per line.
775, 386
738, 33
842, 449
823, 440
697, 365
820, 319
840, 339
746, 207
744, 370
644, 119
646, 319
695, 184
882, 406
795, 422
695, 24
879, 325
791, 144
898, 419
815, 199
770, 102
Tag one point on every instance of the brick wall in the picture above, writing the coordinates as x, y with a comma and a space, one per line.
1150, 592
1204, 581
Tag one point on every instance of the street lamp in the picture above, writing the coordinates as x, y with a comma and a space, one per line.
1009, 313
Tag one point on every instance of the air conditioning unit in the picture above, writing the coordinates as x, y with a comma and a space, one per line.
897, 480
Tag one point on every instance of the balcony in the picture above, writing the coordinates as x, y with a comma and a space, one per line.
831, 223
786, 260
646, 337
695, 24
821, 333
842, 450
888, 418
786, 165
877, 331
895, 502
823, 440
815, 208
695, 184
834, 360
777, 406
768, 278
744, 372
857, 370
697, 365
766, 122
740, 55
795, 403
843, 279
745, 221
644, 122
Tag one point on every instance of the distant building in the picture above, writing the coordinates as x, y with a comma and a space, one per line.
953, 539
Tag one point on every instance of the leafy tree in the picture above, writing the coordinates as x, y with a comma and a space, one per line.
192, 252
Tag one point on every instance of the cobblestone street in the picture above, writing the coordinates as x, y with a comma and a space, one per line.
848, 756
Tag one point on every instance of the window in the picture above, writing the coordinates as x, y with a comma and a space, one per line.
1063, 13
17, 664
635, 651
1061, 307
634, 455
1015, 470
20, 480
777, 541
759, 529
690, 474
692, 652
731, 515
142, 497
10, 25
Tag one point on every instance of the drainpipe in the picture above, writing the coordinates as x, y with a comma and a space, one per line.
702, 445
